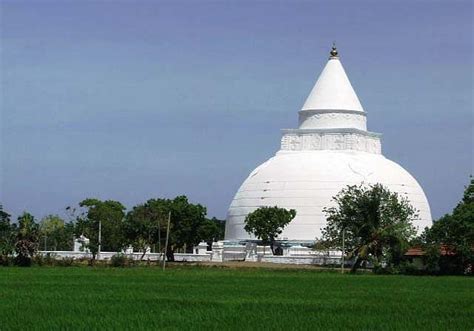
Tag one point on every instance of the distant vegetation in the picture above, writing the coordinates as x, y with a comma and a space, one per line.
449, 243
376, 223
143, 227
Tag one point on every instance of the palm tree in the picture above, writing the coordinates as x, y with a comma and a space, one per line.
377, 224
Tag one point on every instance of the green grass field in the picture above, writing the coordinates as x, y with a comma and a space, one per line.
215, 298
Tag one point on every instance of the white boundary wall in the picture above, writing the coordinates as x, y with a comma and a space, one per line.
181, 257
223, 252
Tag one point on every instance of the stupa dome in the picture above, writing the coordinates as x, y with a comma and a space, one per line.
330, 150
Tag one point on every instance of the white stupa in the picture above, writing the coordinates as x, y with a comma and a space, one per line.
330, 150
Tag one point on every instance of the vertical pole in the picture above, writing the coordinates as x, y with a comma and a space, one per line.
343, 249
166, 242
159, 234
100, 239
45, 243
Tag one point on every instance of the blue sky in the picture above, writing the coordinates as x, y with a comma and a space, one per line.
131, 100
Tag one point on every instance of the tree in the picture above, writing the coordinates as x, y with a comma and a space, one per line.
143, 226
7, 237
376, 222
56, 234
186, 220
468, 196
212, 230
453, 234
110, 214
27, 236
266, 223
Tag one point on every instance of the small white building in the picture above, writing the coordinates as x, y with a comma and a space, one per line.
329, 150
80, 244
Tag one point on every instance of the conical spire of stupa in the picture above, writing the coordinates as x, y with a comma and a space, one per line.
333, 90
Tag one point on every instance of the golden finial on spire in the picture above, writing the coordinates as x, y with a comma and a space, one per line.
334, 52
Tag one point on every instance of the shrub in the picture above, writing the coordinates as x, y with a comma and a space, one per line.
388, 270
41, 260
38, 260
50, 259
120, 260
65, 262
411, 269
22, 261
6, 261
25, 250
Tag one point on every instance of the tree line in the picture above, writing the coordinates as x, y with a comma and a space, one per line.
370, 224
373, 226
143, 227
